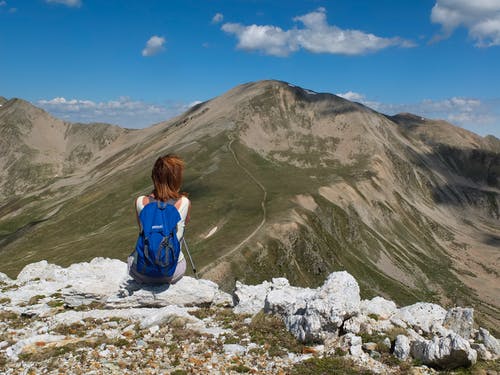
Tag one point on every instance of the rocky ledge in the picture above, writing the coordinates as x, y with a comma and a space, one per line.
92, 318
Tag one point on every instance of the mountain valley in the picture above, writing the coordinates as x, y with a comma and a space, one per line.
285, 182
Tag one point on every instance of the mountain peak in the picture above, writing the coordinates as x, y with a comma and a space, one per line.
3, 100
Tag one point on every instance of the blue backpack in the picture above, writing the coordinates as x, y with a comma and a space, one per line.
157, 248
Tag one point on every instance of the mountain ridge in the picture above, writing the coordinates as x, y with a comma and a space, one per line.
346, 187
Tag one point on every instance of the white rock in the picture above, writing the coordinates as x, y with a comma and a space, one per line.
490, 342
439, 330
147, 316
337, 300
13, 351
154, 329
448, 352
460, 320
343, 290
402, 347
356, 350
482, 353
234, 349
105, 279
381, 325
288, 300
222, 299
5, 279
167, 314
387, 342
250, 298
40, 270
280, 282
104, 353
353, 325
378, 306
112, 333
187, 292
420, 315
3, 344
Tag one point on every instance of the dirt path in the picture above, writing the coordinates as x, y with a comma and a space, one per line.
264, 212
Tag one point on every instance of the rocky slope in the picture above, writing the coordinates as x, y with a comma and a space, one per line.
38, 149
288, 182
92, 317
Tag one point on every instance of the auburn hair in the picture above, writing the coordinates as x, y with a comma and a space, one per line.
167, 177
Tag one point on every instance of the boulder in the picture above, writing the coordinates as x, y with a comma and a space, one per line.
460, 320
186, 292
13, 351
249, 299
337, 300
402, 347
5, 279
490, 342
106, 281
341, 289
168, 314
447, 352
378, 306
288, 300
420, 316
482, 353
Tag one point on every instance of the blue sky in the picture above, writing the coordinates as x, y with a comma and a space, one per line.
136, 63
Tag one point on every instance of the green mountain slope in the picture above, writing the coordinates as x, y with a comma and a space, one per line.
287, 182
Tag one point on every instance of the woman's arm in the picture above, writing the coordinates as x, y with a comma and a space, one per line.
183, 205
139, 204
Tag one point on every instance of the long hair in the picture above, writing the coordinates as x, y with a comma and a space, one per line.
167, 177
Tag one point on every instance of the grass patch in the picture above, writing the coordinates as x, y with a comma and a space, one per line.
270, 331
94, 305
75, 329
50, 351
240, 369
35, 299
15, 321
480, 368
328, 365
55, 303
374, 317
4, 300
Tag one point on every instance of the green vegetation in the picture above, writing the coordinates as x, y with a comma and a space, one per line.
328, 365
35, 299
76, 329
401, 254
240, 369
270, 331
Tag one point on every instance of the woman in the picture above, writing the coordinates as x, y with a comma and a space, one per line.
167, 179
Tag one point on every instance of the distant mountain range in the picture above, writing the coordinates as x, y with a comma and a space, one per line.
284, 182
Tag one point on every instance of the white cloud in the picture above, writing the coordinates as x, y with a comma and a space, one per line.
124, 111
480, 17
192, 104
154, 45
352, 96
69, 3
3, 3
217, 18
315, 36
479, 116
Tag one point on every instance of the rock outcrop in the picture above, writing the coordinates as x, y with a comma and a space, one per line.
96, 304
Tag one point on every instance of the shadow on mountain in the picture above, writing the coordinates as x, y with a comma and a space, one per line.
492, 240
11, 237
472, 177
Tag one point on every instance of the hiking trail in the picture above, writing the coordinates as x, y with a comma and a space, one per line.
263, 205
